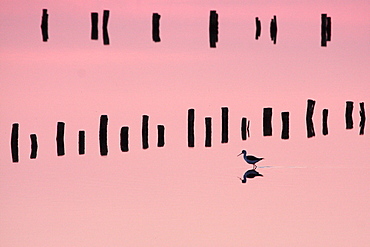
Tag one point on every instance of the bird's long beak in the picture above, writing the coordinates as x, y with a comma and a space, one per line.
238, 154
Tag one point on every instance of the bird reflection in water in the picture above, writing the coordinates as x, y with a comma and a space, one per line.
250, 174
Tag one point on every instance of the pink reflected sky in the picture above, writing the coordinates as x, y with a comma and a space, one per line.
315, 192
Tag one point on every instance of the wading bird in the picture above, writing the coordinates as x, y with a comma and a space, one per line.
250, 174
250, 159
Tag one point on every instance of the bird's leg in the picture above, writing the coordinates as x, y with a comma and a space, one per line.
254, 167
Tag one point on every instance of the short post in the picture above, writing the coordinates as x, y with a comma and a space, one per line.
105, 27
155, 27
191, 118
81, 142
213, 28
349, 119
34, 146
145, 131
208, 122
267, 117
325, 129
309, 115
60, 138
103, 135
273, 29
258, 28
124, 138
94, 26
44, 25
160, 142
14, 142
244, 128
363, 118
285, 123
225, 125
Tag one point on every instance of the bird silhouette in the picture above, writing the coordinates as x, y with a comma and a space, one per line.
250, 159
250, 174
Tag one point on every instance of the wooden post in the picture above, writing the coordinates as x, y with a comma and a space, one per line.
94, 26
44, 25
267, 117
103, 135
285, 123
328, 28
325, 129
155, 27
81, 142
225, 125
309, 115
34, 146
105, 27
208, 122
60, 138
145, 131
244, 128
258, 28
273, 29
323, 30
191, 118
14, 142
160, 136
213, 28
349, 119
363, 118
124, 138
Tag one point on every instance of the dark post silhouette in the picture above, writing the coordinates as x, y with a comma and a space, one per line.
14, 142
213, 28
285, 122
363, 118
145, 131
34, 146
105, 27
60, 138
160, 136
267, 117
103, 135
349, 119
208, 122
155, 27
44, 25
94, 26
124, 138
81, 142
328, 28
325, 29
273, 29
258, 28
244, 128
191, 118
309, 115
325, 129
225, 125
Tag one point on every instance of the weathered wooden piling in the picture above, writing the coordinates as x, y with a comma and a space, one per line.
155, 27
160, 142
285, 124
258, 28
213, 28
94, 26
325, 29
60, 138
349, 119
145, 131
124, 138
14, 142
362, 118
208, 139
103, 135
225, 125
44, 25
244, 128
325, 129
273, 29
34, 146
328, 28
105, 27
309, 115
191, 119
81, 142
267, 125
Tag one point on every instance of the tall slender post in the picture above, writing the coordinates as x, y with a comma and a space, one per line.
60, 138
124, 138
191, 118
155, 27
325, 129
94, 26
145, 131
105, 27
323, 30
14, 142
103, 135
213, 28
309, 115
44, 25
34, 146
81, 142
160, 136
349, 119
363, 118
225, 125
258, 28
267, 118
244, 129
285, 123
208, 122
273, 29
